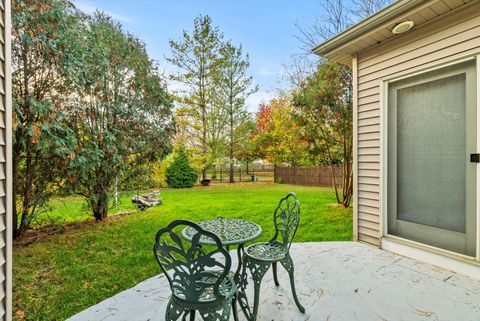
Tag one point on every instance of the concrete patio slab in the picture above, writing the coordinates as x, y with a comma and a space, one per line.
336, 281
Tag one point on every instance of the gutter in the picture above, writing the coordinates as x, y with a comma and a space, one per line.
383, 16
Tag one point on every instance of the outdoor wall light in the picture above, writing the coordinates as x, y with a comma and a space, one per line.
403, 27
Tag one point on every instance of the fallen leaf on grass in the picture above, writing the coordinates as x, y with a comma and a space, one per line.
20, 314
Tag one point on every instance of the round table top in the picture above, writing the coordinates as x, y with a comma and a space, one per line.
231, 231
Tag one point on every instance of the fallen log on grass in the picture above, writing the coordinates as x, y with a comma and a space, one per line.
147, 200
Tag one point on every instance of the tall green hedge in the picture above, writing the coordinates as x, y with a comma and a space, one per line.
180, 174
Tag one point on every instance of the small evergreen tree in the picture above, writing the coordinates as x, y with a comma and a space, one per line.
180, 174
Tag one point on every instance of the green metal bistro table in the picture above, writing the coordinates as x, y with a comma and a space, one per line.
232, 232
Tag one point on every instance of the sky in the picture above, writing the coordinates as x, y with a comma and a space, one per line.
265, 28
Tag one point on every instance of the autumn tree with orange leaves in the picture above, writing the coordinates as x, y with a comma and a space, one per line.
278, 138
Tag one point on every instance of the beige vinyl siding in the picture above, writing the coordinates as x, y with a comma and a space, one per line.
454, 36
5, 163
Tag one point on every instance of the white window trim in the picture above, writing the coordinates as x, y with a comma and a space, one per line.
407, 247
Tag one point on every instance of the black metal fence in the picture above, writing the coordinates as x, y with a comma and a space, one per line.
241, 175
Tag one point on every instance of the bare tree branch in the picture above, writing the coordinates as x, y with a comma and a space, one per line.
336, 16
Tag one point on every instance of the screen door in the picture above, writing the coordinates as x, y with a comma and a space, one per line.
432, 133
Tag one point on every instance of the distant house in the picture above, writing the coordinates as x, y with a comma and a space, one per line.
261, 163
416, 73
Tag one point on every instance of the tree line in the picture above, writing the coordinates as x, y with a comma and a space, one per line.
91, 110
92, 113
311, 123
308, 124
213, 120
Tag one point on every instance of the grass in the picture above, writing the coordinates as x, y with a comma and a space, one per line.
66, 273
62, 210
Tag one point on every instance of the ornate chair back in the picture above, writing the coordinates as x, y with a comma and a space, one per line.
286, 219
194, 272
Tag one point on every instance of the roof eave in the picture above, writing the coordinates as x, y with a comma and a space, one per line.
355, 31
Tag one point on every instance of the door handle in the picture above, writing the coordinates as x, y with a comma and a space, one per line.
475, 158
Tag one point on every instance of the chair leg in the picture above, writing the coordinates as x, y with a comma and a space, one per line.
173, 312
218, 313
256, 300
186, 314
288, 265
275, 277
234, 308
258, 270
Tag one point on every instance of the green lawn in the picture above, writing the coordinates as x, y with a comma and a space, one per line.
60, 276
69, 209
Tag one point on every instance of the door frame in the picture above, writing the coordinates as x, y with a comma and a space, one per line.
384, 87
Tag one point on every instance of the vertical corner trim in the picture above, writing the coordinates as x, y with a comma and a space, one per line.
8, 179
355, 145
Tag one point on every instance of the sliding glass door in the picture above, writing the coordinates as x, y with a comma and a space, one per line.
432, 132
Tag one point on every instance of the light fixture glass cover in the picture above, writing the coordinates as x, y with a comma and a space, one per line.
403, 27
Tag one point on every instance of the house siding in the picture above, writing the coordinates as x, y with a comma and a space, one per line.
454, 36
5, 163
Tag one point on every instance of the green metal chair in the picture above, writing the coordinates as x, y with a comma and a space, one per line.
198, 276
260, 256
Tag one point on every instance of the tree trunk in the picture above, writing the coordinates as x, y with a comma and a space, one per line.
17, 150
348, 183
100, 207
334, 182
347, 172
204, 150
231, 162
27, 188
231, 141
15, 157
100, 214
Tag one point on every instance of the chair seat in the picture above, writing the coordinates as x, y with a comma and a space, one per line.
267, 251
206, 294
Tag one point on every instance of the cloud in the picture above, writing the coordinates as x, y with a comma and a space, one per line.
90, 7
254, 100
266, 72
